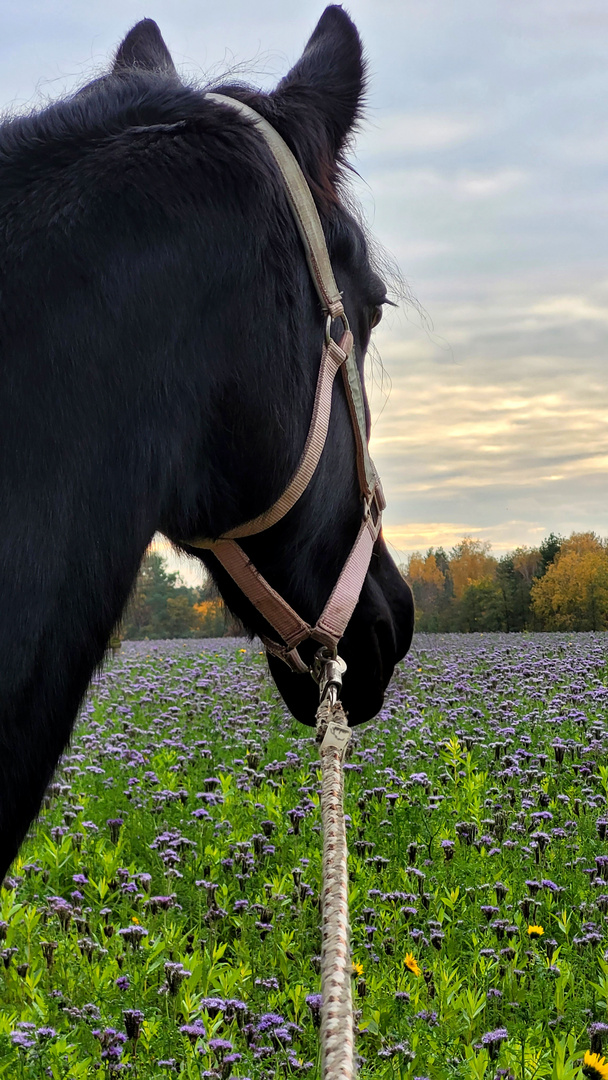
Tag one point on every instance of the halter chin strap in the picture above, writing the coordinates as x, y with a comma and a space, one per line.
336, 356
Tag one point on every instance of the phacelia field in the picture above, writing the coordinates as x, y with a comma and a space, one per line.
163, 917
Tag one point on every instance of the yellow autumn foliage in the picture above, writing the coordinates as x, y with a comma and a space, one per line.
208, 608
471, 564
209, 616
581, 543
423, 569
526, 562
573, 594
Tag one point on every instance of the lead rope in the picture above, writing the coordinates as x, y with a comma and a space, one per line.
333, 735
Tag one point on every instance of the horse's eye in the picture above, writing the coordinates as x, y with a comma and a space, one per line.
376, 316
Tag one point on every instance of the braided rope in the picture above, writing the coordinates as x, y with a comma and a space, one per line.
337, 1029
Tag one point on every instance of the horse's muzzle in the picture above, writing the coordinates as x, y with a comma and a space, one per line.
371, 647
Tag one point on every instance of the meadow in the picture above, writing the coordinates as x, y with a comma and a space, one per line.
163, 917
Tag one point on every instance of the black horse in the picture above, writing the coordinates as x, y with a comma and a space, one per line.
160, 346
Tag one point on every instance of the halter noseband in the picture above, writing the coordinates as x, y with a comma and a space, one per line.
336, 356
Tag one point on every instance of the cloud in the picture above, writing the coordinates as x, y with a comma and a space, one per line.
395, 134
420, 535
570, 309
496, 435
458, 184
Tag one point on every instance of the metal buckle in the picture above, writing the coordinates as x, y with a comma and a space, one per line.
321, 657
327, 670
289, 656
370, 501
375, 500
330, 320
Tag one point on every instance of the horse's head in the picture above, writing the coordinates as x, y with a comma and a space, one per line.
259, 336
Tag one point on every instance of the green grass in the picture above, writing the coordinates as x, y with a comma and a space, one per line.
218, 794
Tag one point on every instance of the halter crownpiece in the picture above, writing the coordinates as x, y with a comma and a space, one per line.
336, 356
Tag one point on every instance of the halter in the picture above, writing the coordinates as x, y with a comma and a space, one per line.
336, 356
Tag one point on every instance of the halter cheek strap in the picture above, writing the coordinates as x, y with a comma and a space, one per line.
336, 356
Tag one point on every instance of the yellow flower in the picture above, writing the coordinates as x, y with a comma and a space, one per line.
412, 964
535, 931
241, 650
135, 920
594, 1066
357, 969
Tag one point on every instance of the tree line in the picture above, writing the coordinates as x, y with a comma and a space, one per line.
161, 606
560, 585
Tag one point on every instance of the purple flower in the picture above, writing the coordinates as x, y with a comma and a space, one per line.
114, 825
193, 1031
281, 1036
492, 1040
596, 1033
431, 1018
160, 903
22, 1040
268, 1021
550, 886
133, 1020
112, 1043
133, 934
220, 1047
175, 974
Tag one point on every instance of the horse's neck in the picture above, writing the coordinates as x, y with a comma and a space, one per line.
67, 565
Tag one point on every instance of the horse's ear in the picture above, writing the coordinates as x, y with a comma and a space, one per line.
328, 81
143, 49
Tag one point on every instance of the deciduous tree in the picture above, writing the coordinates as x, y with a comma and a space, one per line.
429, 577
573, 594
471, 563
163, 607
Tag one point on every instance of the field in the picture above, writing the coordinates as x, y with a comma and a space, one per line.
163, 917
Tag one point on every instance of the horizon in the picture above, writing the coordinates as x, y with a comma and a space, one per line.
191, 574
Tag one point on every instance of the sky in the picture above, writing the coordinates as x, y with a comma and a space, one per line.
483, 172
